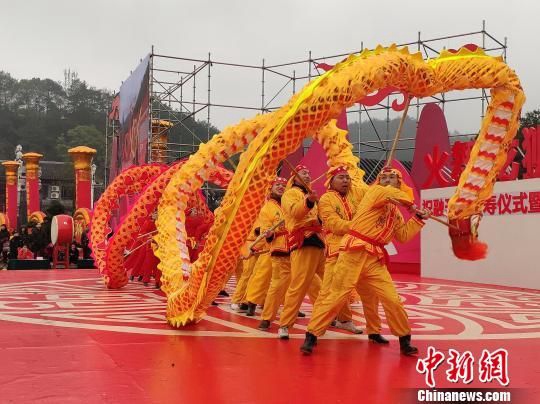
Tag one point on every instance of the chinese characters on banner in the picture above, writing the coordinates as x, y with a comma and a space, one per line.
445, 170
531, 147
504, 203
492, 366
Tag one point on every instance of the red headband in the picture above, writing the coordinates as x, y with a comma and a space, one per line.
390, 170
280, 180
337, 170
301, 167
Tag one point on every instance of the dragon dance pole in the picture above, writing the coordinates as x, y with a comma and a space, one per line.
398, 132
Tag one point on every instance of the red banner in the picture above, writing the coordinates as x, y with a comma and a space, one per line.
32, 193
11, 204
133, 111
505, 203
83, 189
12, 207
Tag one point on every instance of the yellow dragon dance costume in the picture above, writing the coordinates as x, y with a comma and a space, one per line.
272, 137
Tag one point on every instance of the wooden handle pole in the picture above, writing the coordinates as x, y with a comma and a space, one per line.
293, 170
398, 132
260, 237
435, 218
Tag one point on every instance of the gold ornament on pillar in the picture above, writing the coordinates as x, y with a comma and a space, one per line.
12, 168
31, 162
160, 136
82, 160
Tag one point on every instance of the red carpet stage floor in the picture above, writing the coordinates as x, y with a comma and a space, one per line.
66, 339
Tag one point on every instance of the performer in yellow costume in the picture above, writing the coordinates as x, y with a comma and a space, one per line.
336, 210
261, 276
271, 215
238, 301
307, 247
362, 259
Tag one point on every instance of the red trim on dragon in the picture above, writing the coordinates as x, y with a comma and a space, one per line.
465, 243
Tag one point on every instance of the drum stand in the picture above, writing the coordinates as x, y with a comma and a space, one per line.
61, 248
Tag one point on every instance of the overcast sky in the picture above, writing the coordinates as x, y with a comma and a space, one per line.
104, 40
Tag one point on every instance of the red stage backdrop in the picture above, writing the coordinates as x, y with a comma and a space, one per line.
12, 168
134, 119
431, 139
114, 115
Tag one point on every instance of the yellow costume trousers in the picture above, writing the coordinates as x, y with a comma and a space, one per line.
307, 269
260, 280
242, 282
345, 314
370, 302
239, 269
360, 268
370, 306
281, 278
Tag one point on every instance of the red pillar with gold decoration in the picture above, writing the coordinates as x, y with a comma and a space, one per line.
12, 168
160, 136
82, 160
31, 162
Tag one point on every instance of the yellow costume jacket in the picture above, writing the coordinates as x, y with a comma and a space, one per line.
271, 214
301, 221
336, 212
378, 221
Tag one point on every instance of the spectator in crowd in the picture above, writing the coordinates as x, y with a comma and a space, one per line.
46, 238
4, 244
85, 241
73, 253
39, 240
14, 244
24, 253
25, 236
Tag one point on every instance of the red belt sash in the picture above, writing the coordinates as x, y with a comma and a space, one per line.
375, 243
296, 237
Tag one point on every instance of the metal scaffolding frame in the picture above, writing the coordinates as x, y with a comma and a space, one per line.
182, 89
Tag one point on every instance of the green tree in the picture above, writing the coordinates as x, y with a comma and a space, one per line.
531, 118
8, 87
36, 112
83, 135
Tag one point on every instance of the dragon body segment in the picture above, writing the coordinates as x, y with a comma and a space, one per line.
272, 137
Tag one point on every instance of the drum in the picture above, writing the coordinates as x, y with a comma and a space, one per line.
62, 229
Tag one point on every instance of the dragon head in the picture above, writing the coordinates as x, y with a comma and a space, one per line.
464, 236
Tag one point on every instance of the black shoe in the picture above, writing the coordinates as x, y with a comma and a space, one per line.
333, 323
378, 338
243, 308
309, 343
214, 303
301, 314
140, 278
264, 325
131, 277
145, 283
223, 293
405, 346
251, 309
